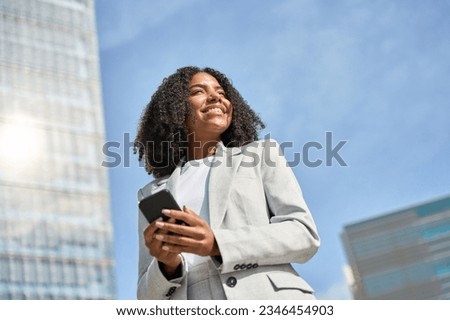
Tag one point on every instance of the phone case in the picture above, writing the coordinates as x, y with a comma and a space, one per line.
152, 205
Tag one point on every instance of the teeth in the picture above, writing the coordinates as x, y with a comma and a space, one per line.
216, 108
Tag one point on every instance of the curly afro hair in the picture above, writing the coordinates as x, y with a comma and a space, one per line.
162, 134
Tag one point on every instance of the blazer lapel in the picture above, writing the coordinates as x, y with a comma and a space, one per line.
172, 182
223, 169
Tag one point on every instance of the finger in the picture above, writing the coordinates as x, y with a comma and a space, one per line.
160, 223
171, 249
150, 229
149, 233
162, 255
155, 249
177, 244
189, 217
172, 220
177, 229
177, 240
176, 249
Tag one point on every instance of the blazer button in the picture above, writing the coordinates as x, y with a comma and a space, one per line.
237, 267
243, 266
249, 266
255, 265
231, 282
171, 291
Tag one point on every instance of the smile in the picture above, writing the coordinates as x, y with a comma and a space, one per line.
215, 109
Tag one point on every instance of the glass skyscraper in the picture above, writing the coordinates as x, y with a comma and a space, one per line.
55, 224
401, 255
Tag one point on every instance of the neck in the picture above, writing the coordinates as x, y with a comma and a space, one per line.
201, 149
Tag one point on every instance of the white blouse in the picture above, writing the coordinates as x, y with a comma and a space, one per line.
192, 192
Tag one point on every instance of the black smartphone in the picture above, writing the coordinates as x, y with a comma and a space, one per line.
152, 205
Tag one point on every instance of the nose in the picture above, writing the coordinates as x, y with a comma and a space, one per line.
214, 96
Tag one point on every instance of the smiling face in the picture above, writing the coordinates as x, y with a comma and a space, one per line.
211, 112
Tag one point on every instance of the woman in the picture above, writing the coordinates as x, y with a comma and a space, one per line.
244, 220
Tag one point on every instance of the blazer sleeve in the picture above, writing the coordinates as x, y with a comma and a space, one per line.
291, 234
152, 284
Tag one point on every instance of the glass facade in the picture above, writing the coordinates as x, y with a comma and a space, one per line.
402, 255
55, 224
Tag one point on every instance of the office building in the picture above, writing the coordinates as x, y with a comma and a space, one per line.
55, 223
401, 255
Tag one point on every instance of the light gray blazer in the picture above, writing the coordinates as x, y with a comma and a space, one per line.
261, 224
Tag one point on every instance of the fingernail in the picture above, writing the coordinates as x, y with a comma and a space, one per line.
159, 237
159, 224
165, 211
165, 248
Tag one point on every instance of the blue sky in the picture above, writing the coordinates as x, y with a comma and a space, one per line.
374, 73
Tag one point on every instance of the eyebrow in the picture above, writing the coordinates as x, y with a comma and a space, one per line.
204, 86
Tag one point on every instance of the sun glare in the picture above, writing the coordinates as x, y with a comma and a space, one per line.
20, 142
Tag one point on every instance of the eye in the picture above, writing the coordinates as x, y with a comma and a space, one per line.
222, 93
195, 92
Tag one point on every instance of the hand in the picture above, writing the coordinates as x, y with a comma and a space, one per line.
194, 237
169, 261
